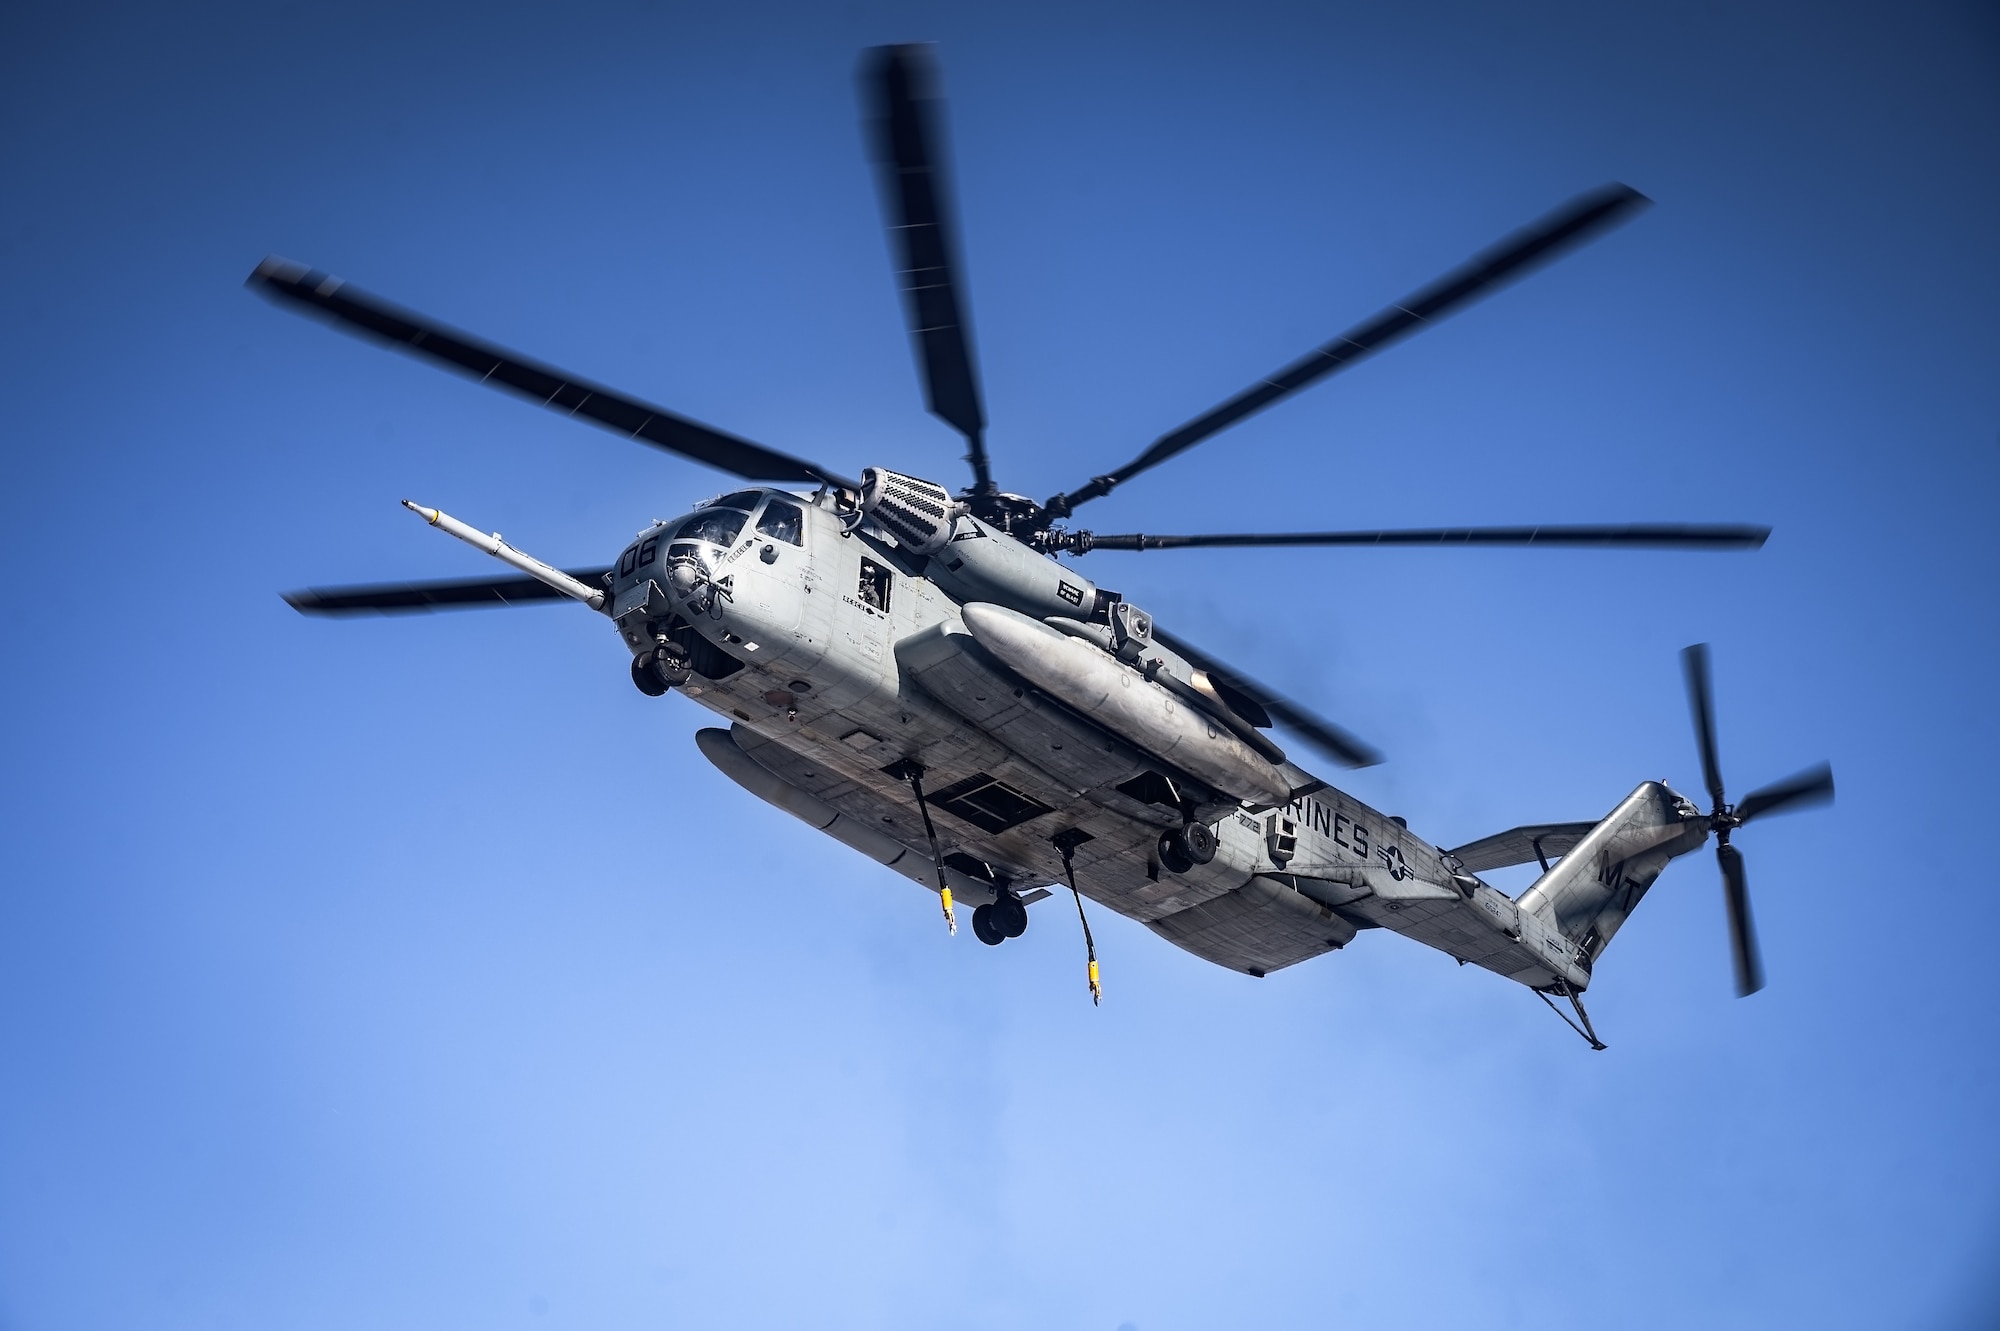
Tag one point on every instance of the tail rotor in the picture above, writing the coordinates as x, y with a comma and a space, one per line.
1802, 790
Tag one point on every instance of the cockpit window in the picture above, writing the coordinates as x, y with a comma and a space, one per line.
743, 499
715, 525
782, 522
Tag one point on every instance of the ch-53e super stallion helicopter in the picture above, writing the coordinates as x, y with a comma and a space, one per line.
915, 674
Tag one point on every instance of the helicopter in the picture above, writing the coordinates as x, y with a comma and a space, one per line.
926, 677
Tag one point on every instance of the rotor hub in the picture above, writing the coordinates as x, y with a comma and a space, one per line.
1015, 514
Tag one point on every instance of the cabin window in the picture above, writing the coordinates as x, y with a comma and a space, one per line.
717, 526
782, 522
874, 588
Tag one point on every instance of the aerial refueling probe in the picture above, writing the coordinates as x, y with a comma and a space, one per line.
507, 554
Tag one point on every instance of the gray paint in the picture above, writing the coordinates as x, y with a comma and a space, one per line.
835, 686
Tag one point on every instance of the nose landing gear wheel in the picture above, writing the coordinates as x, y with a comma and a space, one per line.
646, 677
662, 668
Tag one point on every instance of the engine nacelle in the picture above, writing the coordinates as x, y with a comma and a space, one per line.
969, 559
919, 513
983, 563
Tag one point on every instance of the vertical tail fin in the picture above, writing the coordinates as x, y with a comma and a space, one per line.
1590, 891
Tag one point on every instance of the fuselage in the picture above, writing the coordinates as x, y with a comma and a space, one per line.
835, 652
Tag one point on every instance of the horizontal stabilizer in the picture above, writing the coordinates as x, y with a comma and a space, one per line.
1521, 845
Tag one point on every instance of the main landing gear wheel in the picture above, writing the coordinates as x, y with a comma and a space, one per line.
1010, 915
1193, 844
1006, 918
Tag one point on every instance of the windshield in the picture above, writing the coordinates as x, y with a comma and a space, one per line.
743, 499
715, 525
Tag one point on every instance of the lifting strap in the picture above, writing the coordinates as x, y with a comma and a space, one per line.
1067, 842
909, 769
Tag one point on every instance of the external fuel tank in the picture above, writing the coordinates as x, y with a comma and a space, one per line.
1126, 703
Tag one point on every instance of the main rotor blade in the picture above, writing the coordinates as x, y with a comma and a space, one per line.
1317, 731
356, 311
1575, 222
1812, 786
1742, 934
1637, 535
398, 597
1701, 704
909, 144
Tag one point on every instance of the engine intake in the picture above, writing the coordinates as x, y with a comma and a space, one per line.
918, 512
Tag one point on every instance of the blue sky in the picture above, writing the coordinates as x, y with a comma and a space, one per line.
420, 973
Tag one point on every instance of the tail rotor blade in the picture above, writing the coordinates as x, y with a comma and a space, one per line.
1701, 703
1742, 934
1807, 788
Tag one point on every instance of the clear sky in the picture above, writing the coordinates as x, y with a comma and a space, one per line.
420, 973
